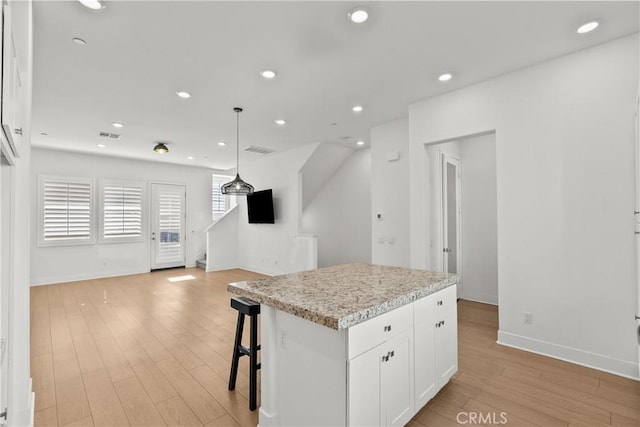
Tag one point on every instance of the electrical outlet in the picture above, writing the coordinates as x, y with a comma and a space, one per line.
528, 318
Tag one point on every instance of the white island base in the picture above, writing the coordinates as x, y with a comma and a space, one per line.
379, 372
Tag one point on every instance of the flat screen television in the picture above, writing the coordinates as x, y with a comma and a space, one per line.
260, 207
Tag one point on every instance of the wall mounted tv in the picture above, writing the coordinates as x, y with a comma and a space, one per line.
260, 207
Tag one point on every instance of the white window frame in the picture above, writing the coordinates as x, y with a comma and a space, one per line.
42, 179
231, 201
143, 211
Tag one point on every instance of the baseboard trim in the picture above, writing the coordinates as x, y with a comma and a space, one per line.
481, 299
599, 362
90, 276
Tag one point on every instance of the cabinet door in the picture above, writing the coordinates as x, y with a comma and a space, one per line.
363, 387
424, 350
446, 342
396, 384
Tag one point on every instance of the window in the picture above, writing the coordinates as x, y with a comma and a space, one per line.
121, 219
220, 203
66, 214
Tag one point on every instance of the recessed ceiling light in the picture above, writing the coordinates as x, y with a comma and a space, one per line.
79, 41
357, 108
100, 145
92, 4
183, 94
117, 125
222, 143
280, 122
358, 15
588, 27
190, 157
445, 77
360, 142
269, 74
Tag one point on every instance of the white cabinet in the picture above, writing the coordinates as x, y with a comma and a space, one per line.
12, 87
396, 391
435, 342
379, 384
380, 372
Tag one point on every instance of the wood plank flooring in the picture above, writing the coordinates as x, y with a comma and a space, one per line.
142, 350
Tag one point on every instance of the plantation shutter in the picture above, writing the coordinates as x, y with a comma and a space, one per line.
122, 211
170, 225
66, 212
219, 201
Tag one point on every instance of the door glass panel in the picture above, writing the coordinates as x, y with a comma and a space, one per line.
451, 219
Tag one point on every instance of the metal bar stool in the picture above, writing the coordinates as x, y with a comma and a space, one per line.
250, 308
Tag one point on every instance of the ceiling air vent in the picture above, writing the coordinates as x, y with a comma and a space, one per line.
109, 135
259, 150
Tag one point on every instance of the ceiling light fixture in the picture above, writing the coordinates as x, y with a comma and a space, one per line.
269, 74
161, 148
92, 4
445, 77
237, 187
100, 145
358, 15
117, 125
360, 142
588, 27
183, 94
357, 108
222, 143
79, 41
280, 122
190, 158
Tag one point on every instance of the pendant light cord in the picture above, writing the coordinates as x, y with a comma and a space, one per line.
237, 142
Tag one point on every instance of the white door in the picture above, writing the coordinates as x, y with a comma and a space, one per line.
451, 247
167, 226
424, 351
6, 272
446, 337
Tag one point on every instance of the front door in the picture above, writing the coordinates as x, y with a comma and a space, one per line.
167, 226
451, 215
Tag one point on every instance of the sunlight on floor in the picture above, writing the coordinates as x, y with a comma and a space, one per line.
181, 278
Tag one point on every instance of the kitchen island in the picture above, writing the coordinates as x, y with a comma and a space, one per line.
355, 344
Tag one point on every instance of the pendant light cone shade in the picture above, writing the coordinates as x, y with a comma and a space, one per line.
237, 187
161, 148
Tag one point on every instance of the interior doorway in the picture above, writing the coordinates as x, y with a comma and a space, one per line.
462, 214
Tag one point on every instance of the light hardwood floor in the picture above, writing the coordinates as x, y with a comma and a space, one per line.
142, 350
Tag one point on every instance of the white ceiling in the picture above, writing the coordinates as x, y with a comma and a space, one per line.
138, 54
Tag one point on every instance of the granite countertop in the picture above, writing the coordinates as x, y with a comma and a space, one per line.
343, 296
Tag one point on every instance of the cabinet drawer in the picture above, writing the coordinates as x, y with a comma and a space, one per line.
372, 332
434, 303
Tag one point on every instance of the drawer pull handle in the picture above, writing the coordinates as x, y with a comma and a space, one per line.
387, 328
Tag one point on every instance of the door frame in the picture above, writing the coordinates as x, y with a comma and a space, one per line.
448, 159
152, 220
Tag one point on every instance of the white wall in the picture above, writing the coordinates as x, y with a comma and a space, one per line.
222, 242
564, 148
390, 193
67, 263
479, 219
274, 248
340, 214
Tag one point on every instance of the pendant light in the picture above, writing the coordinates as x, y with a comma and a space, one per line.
237, 187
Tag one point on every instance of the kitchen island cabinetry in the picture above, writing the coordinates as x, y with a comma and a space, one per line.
353, 345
